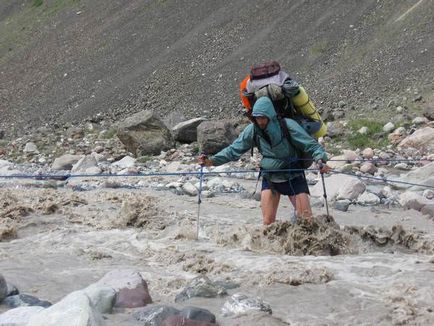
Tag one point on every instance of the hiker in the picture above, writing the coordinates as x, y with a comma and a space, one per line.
278, 153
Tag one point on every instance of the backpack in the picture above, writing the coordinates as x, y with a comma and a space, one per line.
290, 100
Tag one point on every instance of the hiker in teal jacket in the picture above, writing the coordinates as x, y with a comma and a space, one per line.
278, 153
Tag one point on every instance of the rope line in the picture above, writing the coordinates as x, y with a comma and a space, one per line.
63, 177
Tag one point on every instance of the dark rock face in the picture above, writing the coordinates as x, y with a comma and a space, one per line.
198, 314
186, 132
144, 134
213, 136
182, 321
154, 315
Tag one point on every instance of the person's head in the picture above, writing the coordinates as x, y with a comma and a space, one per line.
263, 112
261, 121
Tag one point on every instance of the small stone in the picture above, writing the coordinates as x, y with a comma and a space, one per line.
31, 148
388, 127
368, 199
368, 167
399, 109
342, 104
428, 193
189, 189
402, 166
368, 153
363, 130
420, 120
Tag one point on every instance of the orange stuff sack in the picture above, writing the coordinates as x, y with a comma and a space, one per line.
243, 93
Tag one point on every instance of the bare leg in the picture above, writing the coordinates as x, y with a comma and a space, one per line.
302, 206
269, 205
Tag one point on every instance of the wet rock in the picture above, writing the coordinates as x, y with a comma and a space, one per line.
154, 315
212, 136
131, 289
241, 304
144, 134
178, 320
201, 286
24, 300
3, 288
186, 132
125, 162
75, 309
201, 314
388, 127
368, 199
19, 316
412, 200
102, 297
65, 162
12, 290
420, 139
342, 205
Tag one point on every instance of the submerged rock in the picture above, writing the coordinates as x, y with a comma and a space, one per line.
201, 286
241, 304
154, 315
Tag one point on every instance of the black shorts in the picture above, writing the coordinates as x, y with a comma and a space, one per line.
296, 186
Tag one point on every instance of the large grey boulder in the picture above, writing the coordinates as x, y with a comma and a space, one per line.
339, 186
65, 162
154, 315
423, 175
213, 136
186, 132
19, 316
144, 134
131, 289
75, 309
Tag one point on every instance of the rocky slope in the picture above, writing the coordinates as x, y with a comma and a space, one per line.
65, 60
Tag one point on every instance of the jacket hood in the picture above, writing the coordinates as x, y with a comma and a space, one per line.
264, 107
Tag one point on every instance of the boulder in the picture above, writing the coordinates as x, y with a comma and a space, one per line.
189, 189
102, 297
368, 167
342, 205
186, 132
12, 290
213, 136
350, 155
368, 153
154, 315
65, 162
388, 127
75, 309
144, 134
423, 175
3, 288
338, 184
412, 200
421, 139
337, 162
131, 289
201, 286
19, 316
30, 148
125, 162
368, 199
87, 164
351, 189
24, 300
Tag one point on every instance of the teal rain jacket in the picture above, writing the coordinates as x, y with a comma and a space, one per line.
277, 151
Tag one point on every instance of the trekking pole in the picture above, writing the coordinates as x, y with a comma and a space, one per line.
320, 165
199, 200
